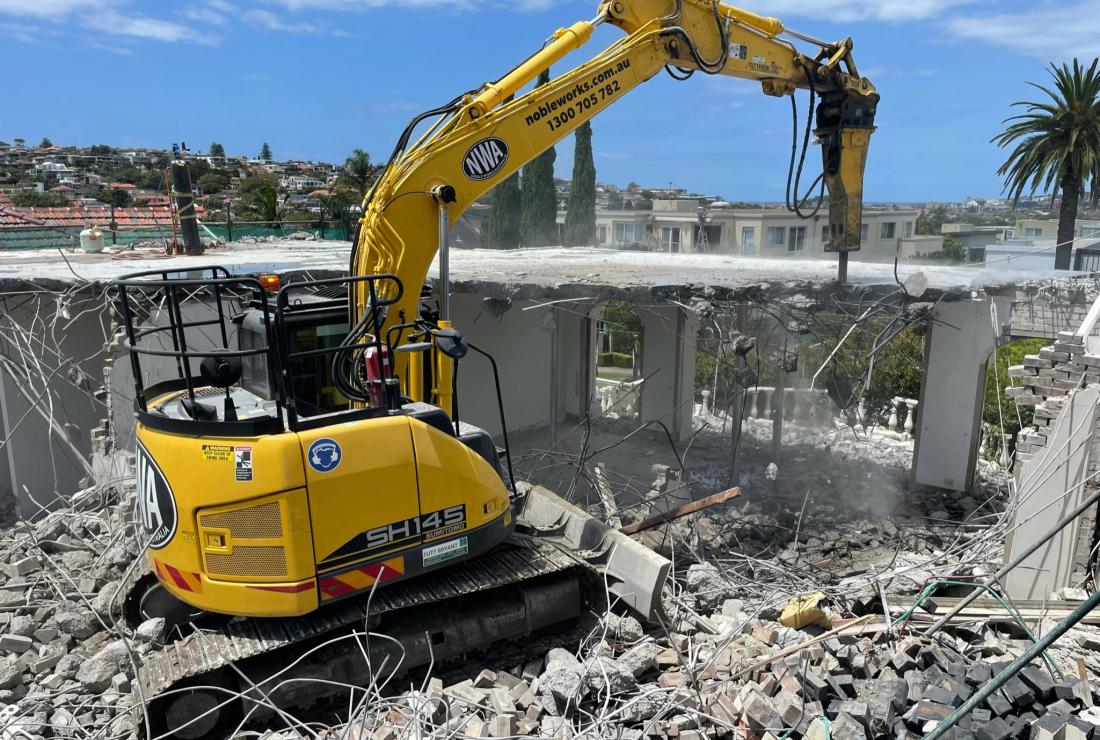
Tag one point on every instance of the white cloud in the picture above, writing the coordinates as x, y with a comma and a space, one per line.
209, 14
358, 5
22, 33
137, 26
115, 49
847, 11
46, 8
269, 21
111, 17
1051, 33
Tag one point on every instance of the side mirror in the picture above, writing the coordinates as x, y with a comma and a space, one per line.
451, 343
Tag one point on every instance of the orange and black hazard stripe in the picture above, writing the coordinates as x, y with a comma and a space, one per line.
181, 579
358, 579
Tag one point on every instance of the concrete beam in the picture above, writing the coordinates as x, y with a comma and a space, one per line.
959, 344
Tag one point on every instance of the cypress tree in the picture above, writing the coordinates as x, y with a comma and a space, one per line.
502, 231
580, 218
539, 220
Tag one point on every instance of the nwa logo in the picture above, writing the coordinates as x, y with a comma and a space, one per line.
485, 159
156, 505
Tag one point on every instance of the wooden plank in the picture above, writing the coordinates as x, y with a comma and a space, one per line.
682, 511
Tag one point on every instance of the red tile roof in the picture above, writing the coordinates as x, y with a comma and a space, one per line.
79, 216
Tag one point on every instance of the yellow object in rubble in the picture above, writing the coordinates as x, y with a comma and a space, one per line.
803, 611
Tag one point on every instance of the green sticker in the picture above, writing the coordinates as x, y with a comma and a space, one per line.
446, 551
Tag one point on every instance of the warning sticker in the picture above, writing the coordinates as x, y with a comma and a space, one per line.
217, 453
242, 461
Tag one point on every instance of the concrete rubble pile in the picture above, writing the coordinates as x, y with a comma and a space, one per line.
66, 668
297, 236
838, 516
743, 651
736, 672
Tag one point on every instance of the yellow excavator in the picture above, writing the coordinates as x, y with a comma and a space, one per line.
301, 461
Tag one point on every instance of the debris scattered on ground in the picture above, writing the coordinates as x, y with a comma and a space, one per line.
775, 624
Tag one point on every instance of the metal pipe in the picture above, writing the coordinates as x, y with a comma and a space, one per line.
444, 264
736, 417
444, 195
1011, 565
1015, 666
806, 38
554, 359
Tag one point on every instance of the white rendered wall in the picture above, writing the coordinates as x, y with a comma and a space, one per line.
668, 364
962, 338
1052, 484
521, 344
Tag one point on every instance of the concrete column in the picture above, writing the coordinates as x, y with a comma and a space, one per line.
9, 481
668, 355
576, 359
521, 341
521, 345
960, 342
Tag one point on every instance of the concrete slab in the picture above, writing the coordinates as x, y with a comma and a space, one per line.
547, 269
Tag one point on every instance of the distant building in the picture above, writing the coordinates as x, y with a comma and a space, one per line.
687, 226
55, 170
974, 239
66, 191
301, 182
1045, 228
1035, 245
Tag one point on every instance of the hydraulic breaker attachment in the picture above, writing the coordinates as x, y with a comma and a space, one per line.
844, 127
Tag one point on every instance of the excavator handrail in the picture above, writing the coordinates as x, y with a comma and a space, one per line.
177, 328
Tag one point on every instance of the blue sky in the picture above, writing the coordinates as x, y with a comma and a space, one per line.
317, 78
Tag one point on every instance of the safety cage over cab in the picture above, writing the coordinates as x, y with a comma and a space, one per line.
210, 348
215, 353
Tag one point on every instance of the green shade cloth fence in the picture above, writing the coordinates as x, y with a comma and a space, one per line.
64, 237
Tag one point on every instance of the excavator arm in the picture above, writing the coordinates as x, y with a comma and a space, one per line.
486, 135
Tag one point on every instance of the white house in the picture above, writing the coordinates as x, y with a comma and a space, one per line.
683, 225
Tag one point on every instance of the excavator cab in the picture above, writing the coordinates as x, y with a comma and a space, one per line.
280, 463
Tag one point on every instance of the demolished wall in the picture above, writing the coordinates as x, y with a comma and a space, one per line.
1046, 382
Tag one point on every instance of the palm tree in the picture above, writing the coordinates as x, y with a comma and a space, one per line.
359, 173
1057, 146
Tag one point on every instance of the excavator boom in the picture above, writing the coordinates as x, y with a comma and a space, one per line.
483, 137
